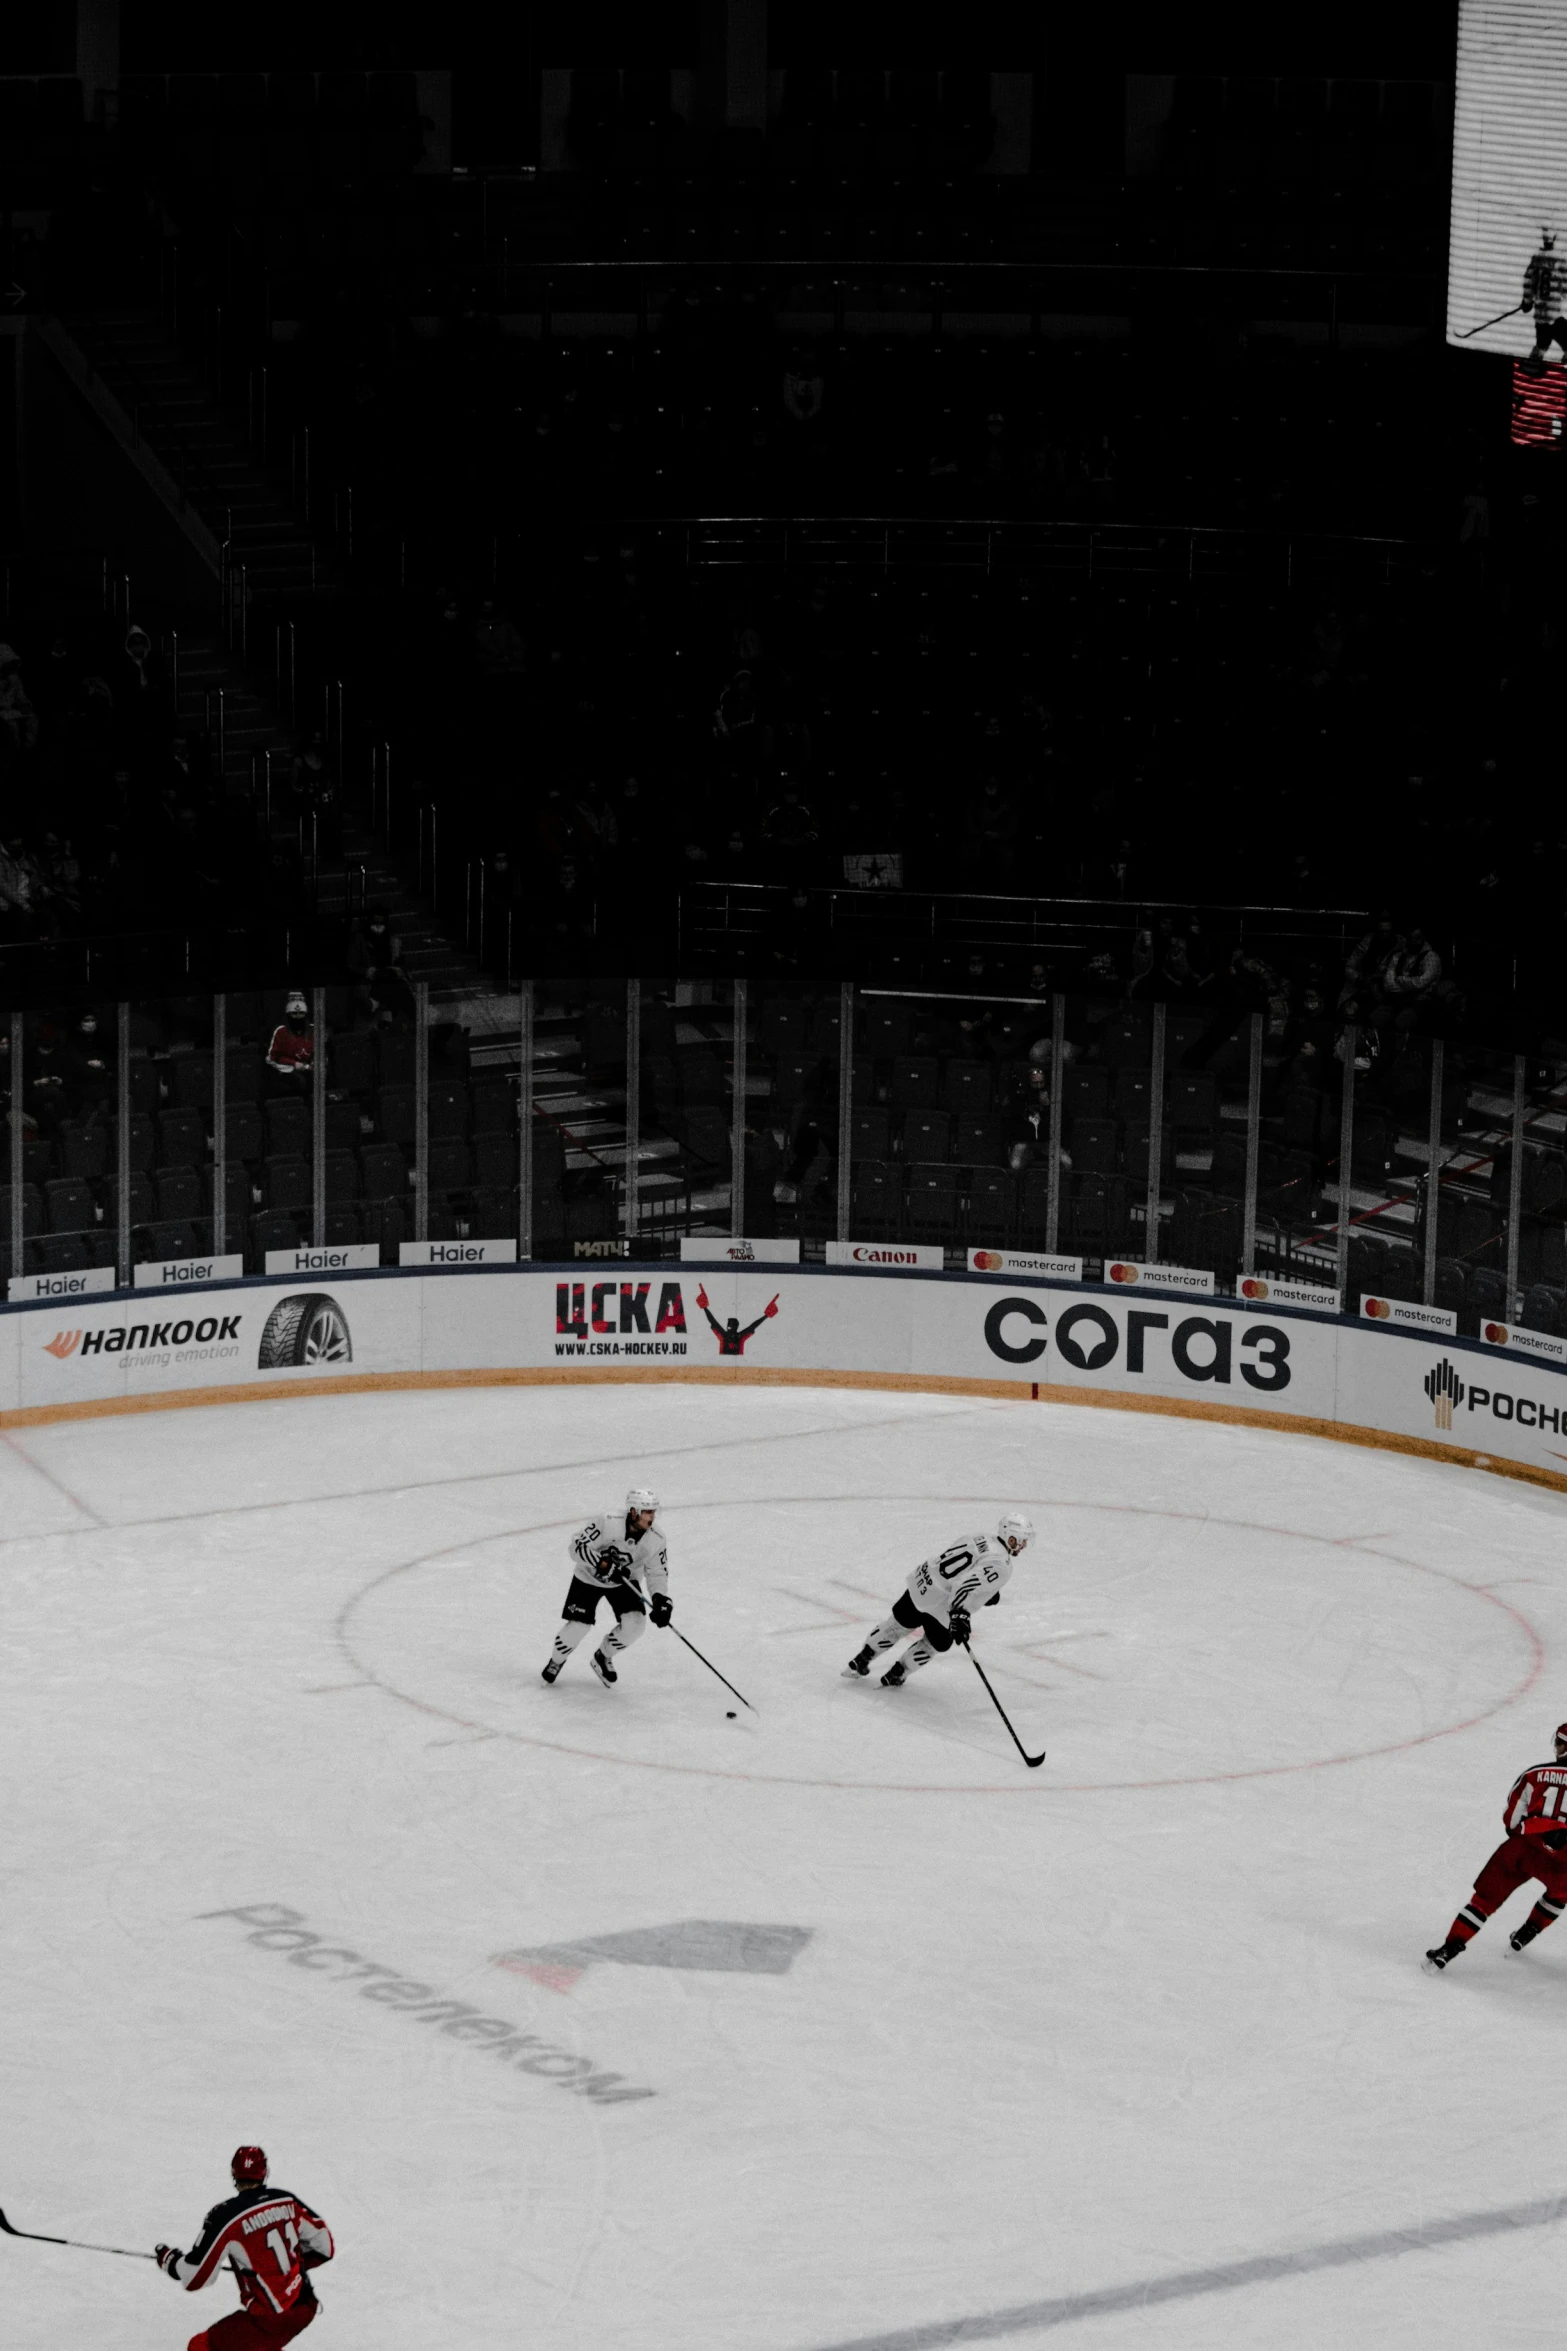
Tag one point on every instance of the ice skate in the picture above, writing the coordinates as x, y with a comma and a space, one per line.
551, 1673
895, 1676
1436, 1960
858, 1668
602, 1667
1523, 1937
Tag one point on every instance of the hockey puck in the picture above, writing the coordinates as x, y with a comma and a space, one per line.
731, 1716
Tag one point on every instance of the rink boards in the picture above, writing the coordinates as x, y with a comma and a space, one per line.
1205, 1358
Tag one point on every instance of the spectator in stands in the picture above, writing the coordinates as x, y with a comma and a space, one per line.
18, 719
804, 394
92, 1079
990, 831
1308, 1041
1368, 1045
18, 890
1366, 960
143, 714
292, 1049
1409, 981
789, 825
373, 956
47, 1088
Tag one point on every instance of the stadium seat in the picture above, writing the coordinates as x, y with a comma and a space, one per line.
142, 1197
286, 1182
495, 1158
82, 1146
179, 1194
383, 1172
287, 1126
70, 1205
914, 1081
978, 1141
448, 1108
1085, 1091
451, 1169
182, 1138
927, 1135
966, 1086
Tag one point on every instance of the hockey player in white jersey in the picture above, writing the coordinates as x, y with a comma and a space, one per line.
939, 1599
612, 1558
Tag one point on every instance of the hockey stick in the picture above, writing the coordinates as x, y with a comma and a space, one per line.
1033, 1761
76, 2242
711, 1667
1465, 334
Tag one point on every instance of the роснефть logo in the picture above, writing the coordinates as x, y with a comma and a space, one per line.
1445, 1389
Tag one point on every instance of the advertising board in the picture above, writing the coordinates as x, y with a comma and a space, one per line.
1027, 1339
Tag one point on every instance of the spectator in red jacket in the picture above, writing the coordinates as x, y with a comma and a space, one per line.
293, 1046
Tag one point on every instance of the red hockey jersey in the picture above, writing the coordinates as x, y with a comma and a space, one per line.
1538, 1801
269, 2239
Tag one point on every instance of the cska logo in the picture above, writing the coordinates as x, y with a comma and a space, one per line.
1445, 1389
731, 1338
63, 1343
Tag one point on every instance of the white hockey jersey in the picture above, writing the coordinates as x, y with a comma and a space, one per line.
967, 1575
610, 1551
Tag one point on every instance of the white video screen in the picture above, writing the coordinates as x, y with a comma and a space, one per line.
1509, 175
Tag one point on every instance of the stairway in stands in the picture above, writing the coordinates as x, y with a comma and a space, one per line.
208, 452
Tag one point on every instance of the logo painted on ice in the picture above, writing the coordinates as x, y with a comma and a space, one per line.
1445, 1389
715, 1946
63, 1343
731, 1338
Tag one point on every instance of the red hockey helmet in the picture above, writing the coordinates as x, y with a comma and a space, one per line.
249, 2165
1561, 1740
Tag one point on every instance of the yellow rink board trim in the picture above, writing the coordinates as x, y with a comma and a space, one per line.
709, 1375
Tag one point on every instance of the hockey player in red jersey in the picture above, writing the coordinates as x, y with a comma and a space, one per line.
269, 2239
1535, 1846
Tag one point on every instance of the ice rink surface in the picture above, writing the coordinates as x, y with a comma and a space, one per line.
1052, 2053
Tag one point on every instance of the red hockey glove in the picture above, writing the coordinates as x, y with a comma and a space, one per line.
166, 2256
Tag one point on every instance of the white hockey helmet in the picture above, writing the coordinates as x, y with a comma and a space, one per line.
1015, 1530
641, 1498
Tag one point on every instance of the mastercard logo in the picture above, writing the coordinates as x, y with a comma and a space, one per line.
1497, 1334
1254, 1289
987, 1261
1378, 1309
1123, 1273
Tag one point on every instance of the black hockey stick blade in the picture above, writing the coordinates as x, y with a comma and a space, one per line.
1033, 1761
35, 2236
711, 1667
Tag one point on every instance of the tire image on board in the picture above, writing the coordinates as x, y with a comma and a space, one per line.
308, 1327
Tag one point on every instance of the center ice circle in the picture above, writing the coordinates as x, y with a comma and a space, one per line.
1144, 1647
